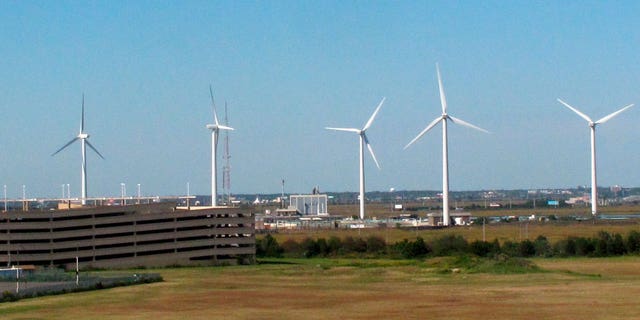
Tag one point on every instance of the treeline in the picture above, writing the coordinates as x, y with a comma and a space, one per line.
603, 245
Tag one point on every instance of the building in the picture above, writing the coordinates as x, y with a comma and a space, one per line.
309, 204
457, 218
127, 236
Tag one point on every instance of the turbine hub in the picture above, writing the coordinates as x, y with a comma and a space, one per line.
83, 136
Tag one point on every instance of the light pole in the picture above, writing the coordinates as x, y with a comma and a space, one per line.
25, 204
123, 191
5, 198
282, 196
188, 193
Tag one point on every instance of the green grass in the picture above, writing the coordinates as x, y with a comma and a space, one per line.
576, 288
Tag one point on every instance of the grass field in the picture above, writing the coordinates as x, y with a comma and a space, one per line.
380, 210
513, 231
594, 288
359, 289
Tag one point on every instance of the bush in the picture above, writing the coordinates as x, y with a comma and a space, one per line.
584, 247
411, 249
350, 245
376, 245
334, 245
448, 245
310, 248
633, 242
292, 248
480, 248
542, 247
268, 247
526, 248
510, 249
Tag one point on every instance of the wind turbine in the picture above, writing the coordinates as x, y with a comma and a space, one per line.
363, 141
83, 137
215, 129
445, 154
592, 126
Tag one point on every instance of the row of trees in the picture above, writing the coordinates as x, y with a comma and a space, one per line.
602, 245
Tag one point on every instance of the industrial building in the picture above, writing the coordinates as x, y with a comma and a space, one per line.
309, 204
148, 235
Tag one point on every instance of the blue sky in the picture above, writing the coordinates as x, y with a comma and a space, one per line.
289, 68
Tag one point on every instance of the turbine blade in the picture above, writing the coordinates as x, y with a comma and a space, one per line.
466, 124
607, 118
225, 127
584, 116
93, 148
366, 141
366, 126
344, 129
66, 145
82, 121
443, 99
431, 125
213, 104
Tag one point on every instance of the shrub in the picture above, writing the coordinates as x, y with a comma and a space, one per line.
584, 247
334, 245
411, 249
480, 248
351, 244
376, 245
268, 247
542, 247
510, 249
526, 248
448, 245
310, 248
633, 242
292, 248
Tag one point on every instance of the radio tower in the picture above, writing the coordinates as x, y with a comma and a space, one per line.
226, 169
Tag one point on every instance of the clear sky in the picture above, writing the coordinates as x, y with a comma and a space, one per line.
289, 68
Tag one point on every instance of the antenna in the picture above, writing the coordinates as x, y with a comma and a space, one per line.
226, 169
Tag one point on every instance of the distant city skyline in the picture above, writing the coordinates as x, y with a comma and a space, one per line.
288, 69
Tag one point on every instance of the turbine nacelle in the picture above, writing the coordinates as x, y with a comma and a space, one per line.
217, 127
83, 136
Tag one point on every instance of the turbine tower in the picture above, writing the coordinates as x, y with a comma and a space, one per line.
592, 126
363, 141
215, 128
83, 137
445, 153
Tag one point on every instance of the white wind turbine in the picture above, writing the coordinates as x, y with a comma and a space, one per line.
215, 128
592, 126
83, 137
445, 154
363, 141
